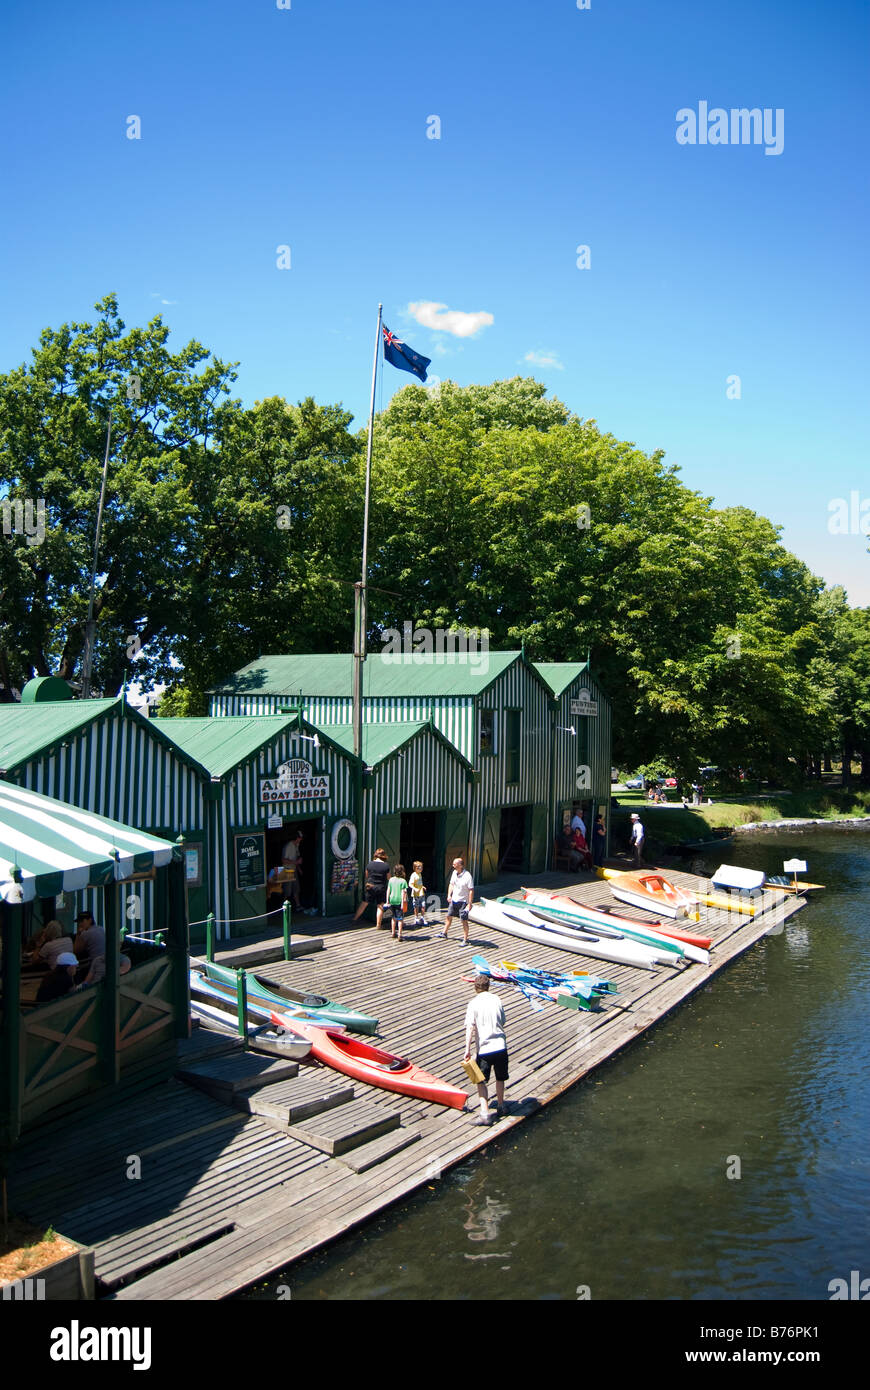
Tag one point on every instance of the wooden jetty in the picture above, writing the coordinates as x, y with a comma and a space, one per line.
237, 1167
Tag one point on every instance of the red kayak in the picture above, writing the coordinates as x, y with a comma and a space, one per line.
563, 903
372, 1064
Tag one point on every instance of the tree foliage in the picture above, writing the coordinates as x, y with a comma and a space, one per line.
232, 532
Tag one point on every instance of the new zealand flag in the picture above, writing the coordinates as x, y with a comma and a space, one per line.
405, 358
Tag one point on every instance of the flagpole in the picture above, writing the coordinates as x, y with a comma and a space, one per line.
360, 623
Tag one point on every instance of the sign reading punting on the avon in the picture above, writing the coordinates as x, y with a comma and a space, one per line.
584, 704
295, 780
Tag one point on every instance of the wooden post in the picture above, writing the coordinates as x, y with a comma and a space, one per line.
288, 954
178, 946
110, 1030
242, 1002
209, 937
10, 1029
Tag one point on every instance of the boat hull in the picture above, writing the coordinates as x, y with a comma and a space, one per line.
376, 1067
316, 1005
560, 906
219, 1010
492, 915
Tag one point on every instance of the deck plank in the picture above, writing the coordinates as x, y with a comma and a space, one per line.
210, 1167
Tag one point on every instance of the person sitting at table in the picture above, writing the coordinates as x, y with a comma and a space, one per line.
97, 971
581, 849
60, 980
90, 939
53, 943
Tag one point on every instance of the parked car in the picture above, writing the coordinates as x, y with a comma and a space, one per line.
636, 784
614, 775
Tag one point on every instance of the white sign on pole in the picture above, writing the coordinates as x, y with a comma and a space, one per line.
584, 704
795, 866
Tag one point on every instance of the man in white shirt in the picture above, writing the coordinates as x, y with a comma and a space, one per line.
578, 823
484, 1032
460, 896
637, 837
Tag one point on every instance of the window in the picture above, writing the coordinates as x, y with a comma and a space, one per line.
487, 732
512, 744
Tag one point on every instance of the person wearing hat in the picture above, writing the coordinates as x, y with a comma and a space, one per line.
637, 837
60, 980
90, 939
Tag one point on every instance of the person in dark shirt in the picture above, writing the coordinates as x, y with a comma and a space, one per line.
599, 841
60, 980
377, 874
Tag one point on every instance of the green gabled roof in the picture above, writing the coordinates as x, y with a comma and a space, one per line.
26, 731
381, 741
221, 745
32, 730
558, 675
384, 674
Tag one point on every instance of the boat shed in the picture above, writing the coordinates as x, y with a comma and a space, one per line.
502, 713
264, 779
104, 757
419, 795
120, 1030
581, 756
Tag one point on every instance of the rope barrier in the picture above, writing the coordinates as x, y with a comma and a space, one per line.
232, 921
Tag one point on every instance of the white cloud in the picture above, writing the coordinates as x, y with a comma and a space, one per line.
162, 300
545, 359
444, 320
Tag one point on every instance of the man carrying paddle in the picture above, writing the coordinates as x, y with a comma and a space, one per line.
484, 1031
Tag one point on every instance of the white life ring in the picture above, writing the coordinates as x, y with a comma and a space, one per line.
350, 851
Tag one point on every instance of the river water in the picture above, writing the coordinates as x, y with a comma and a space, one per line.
723, 1156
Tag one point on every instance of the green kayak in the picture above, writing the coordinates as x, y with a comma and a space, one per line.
285, 998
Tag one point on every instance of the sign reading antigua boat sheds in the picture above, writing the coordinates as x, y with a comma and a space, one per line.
295, 781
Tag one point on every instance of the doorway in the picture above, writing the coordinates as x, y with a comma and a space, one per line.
310, 850
417, 840
512, 848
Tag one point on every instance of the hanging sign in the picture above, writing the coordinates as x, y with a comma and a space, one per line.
295, 780
584, 704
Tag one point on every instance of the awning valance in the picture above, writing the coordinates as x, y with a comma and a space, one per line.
48, 847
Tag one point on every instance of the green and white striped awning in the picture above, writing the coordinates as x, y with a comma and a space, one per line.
48, 847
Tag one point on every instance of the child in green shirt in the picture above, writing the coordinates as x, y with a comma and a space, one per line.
397, 899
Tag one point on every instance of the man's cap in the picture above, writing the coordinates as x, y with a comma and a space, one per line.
635, 816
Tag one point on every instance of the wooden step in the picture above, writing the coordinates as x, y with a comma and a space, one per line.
299, 1099
346, 1127
225, 1076
367, 1155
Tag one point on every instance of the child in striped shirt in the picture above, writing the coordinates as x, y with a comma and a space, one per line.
418, 894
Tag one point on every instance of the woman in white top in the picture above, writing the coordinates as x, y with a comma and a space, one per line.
54, 943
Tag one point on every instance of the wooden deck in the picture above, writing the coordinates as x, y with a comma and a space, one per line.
238, 1181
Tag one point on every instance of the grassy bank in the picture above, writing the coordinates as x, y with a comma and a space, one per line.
668, 825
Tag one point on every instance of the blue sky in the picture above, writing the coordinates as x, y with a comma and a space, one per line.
307, 127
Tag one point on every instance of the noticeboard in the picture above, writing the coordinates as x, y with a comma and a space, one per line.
250, 859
